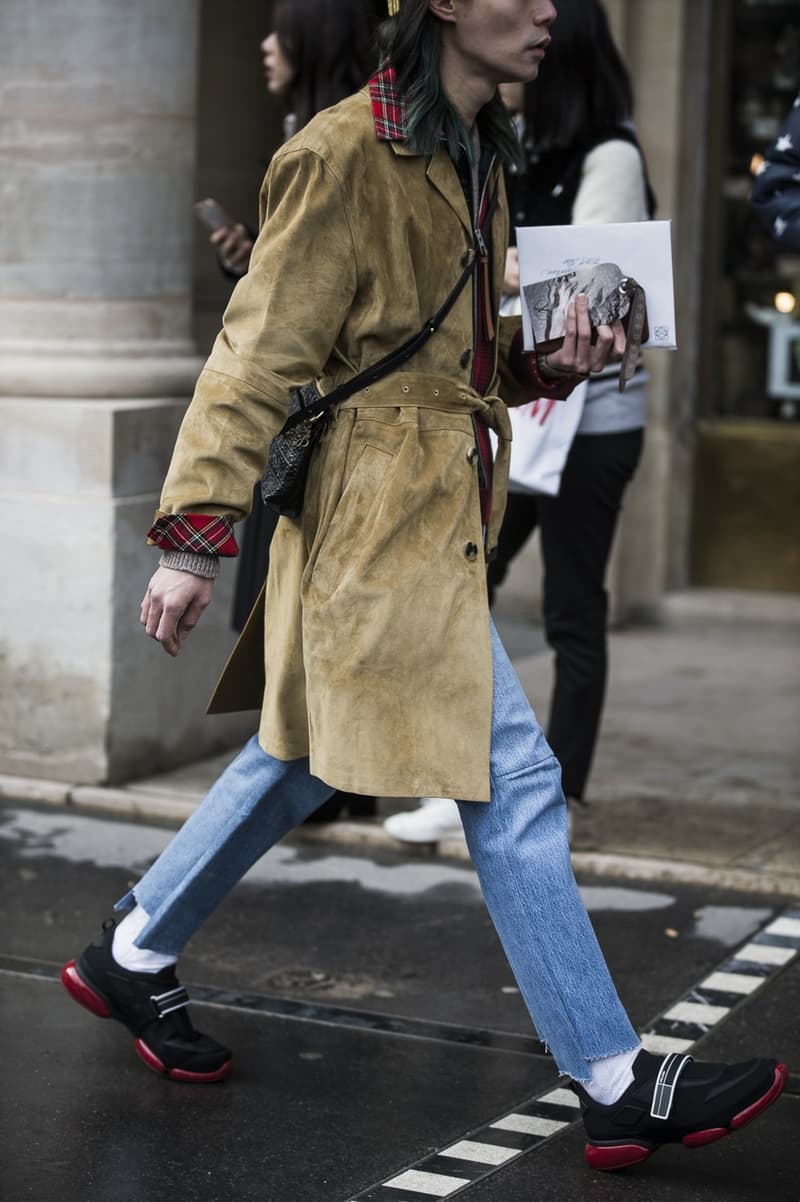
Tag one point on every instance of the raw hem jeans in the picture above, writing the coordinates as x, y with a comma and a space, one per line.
518, 843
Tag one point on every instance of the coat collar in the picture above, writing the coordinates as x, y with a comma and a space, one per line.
388, 109
389, 115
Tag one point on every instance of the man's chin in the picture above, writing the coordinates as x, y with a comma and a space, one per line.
523, 75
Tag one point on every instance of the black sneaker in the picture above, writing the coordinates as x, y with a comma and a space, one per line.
152, 1006
676, 1099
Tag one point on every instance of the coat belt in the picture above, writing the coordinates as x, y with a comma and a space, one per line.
422, 390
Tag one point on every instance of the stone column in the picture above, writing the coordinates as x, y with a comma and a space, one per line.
97, 131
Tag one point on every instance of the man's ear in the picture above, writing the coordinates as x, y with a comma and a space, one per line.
443, 9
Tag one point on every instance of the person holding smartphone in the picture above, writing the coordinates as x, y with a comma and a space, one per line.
318, 52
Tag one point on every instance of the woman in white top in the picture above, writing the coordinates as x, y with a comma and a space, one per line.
582, 164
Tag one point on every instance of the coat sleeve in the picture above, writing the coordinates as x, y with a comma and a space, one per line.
519, 378
279, 330
776, 192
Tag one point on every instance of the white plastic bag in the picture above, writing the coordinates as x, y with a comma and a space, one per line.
543, 431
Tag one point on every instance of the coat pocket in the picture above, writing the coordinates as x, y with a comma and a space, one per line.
351, 537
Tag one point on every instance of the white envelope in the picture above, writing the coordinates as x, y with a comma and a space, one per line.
642, 249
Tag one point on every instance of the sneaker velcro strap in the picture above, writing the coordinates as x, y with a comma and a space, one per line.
667, 1079
165, 1003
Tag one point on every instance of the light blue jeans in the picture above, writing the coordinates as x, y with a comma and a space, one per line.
518, 843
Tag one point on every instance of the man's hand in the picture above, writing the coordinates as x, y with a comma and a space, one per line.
579, 355
172, 606
234, 245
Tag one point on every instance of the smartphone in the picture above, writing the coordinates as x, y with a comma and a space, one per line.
211, 214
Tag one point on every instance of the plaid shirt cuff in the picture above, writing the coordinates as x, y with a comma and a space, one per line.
193, 532
525, 366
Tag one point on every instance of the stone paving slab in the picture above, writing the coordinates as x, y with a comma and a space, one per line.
701, 714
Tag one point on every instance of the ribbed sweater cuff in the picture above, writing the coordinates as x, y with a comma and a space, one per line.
191, 561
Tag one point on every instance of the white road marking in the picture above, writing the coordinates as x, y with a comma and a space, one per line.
530, 1124
785, 926
695, 1012
661, 1045
765, 953
731, 982
561, 1097
470, 1149
426, 1183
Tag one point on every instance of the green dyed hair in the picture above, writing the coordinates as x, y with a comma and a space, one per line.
411, 42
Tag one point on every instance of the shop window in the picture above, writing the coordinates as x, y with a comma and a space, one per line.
757, 295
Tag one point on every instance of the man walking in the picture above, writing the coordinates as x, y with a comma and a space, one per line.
381, 671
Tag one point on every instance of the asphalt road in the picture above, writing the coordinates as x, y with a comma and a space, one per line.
377, 1031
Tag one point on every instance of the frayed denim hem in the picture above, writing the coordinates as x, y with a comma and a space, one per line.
636, 1047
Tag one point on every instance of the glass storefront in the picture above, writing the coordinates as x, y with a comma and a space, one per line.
759, 287
747, 465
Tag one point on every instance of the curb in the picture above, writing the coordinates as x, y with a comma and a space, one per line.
171, 810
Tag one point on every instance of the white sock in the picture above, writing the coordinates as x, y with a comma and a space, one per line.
125, 952
611, 1076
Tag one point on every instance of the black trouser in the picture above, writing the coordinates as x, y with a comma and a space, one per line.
577, 530
253, 558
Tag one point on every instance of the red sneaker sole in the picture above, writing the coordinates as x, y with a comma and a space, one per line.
773, 1093
77, 988
623, 1156
179, 1074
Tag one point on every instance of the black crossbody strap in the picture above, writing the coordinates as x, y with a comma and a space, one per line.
307, 403
310, 404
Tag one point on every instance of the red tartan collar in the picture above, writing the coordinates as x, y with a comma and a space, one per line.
388, 110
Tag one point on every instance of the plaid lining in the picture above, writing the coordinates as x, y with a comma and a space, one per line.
482, 373
525, 367
388, 109
195, 532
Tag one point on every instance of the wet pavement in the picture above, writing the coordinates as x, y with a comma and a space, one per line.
377, 1031
697, 767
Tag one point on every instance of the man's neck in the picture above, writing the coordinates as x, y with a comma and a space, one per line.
466, 90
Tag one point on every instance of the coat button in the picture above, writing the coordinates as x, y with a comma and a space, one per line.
472, 454
471, 551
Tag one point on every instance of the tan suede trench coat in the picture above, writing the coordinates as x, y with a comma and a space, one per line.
376, 645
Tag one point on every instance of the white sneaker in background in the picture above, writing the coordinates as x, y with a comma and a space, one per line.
435, 818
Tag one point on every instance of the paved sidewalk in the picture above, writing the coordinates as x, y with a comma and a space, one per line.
696, 775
